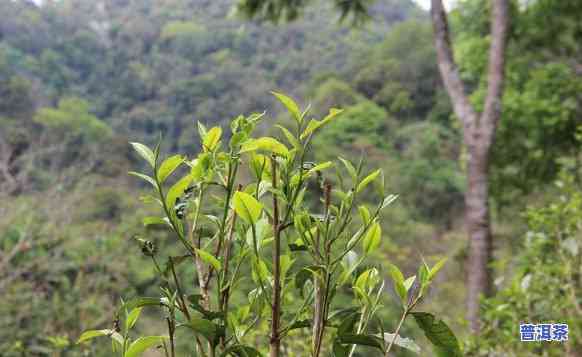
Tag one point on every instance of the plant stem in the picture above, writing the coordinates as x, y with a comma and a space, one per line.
317, 313
171, 331
227, 248
228, 244
199, 348
322, 286
179, 289
221, 236
165, 349
275, 343
196, 243
158, 269
404, 315
225, 292
359, 329
196, 215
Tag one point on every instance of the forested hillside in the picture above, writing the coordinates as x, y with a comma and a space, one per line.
145, 68
79, 79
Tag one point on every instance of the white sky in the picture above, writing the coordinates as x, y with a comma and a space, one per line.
425, 4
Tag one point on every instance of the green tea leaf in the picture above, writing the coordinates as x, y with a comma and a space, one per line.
351, 169
349, 263
435, 269
169, 166
439, 334
150, 221
316, 124
362, 295
341, 314
202, 131
265, 143
367, 279
116, 339
204, 327
209, 259
364, 214
311, 127
176, 191
132, 318
88, 335
145, 153
340, 350
320, 167
212, 138
139, 302
237, 139
286, 263
362, 340
333, 112
371, 177
403, 342
260, 272
292, 139
371, 240
146, 178
260, 166
388, 200
408, 282
299, 324
305, 274
247, 207
398, 280
298, 246
348, 323
423, 277
290, 104
142, 344
261, 232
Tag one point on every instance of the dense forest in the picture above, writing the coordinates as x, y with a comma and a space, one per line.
80, 79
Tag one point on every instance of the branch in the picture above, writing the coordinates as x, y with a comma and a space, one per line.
495, 75
448, 68
6, 156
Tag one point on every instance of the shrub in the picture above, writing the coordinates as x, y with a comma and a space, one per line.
263, 258
546, 283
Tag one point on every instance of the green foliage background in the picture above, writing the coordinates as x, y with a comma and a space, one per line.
80, 78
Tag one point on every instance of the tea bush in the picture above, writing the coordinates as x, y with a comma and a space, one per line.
273, 239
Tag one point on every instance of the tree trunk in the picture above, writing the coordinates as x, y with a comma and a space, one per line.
479, 230
478, 137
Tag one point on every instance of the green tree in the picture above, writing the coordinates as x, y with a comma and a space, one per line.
429, 171
71, 132
540, 100
401, 73
478, 127
72, 119
364, 126
16, 108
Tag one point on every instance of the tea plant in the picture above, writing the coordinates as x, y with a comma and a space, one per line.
258, 210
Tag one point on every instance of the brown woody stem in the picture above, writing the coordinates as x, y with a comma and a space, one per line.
275, 342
